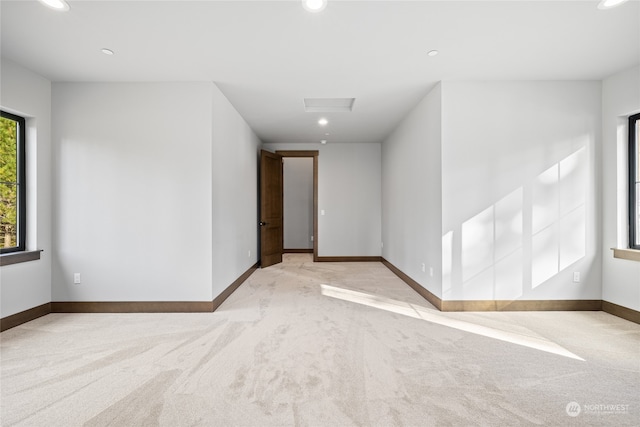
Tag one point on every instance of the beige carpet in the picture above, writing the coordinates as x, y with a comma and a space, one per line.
322, 345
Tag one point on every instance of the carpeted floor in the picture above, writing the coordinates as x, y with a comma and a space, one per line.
322, 344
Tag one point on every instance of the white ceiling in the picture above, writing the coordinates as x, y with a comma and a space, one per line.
267, 56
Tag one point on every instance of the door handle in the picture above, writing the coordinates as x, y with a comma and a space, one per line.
262, 223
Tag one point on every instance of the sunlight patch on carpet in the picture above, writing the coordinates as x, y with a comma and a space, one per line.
429, 315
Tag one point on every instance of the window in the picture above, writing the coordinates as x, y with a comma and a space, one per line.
12, 183
634, 181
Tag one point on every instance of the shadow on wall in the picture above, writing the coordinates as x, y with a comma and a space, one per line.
522, 240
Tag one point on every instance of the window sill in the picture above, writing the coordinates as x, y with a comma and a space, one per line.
19, 257
629, 254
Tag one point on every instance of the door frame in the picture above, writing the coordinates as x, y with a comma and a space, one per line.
314, 154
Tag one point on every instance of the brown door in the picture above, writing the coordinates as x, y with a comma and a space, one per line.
271, 232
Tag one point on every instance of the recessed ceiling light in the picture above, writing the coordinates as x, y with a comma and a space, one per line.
314, 5
324, 141
432, 53
327, 134
608, 4
60, 5
323, 122
106, 51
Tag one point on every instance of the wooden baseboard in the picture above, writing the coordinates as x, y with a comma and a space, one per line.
123, 306
620, 311
522, 305
433, 300
150, 306
209, 306
131, 306
232, 287
348, 259
297, 251
24, 316
501, 305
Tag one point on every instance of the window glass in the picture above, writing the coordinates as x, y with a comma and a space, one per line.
12, 209
634, 181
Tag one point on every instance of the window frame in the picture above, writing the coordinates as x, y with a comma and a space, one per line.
634, 168
21, 234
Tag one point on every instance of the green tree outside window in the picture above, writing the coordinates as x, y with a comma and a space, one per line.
8, 182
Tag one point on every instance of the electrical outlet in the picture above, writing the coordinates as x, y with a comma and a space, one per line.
576, 277
431, 271
249, 254
312, 238
424, 268
76, 278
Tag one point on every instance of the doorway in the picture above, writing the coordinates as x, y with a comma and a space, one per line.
271, 194
300, 226
297, 224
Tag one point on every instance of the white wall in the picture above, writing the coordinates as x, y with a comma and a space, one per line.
234, 196
298, 202
620, 99
520, 186
155, 191
411, 194
132, 191
349, 191
27, 285
510, 172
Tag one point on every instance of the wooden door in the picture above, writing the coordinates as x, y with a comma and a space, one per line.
271, 208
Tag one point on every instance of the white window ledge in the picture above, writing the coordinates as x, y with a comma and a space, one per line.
630, 254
